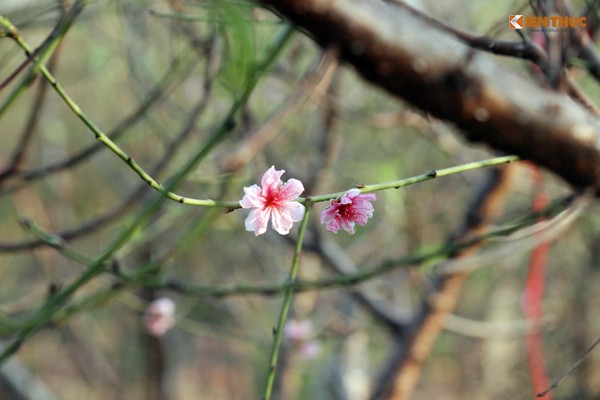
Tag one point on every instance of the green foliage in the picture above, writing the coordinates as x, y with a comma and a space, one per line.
233, 22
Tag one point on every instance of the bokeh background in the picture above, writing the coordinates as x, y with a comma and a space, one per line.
161, 76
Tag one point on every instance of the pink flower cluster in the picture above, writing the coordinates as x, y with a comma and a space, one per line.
346, 211
277, 202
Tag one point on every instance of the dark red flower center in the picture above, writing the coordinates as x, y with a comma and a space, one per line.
346, 211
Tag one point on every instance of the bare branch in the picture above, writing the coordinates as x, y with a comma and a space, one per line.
404, 368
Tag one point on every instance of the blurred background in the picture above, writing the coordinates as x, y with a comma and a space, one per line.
159, 77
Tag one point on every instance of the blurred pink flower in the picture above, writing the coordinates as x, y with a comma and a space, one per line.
309, 350
159, 317
299, 334
353, 207
298, 331
274, 201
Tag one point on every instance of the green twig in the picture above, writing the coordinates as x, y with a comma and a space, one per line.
38, 56
170, 79
492, 162
285, 307
104, 139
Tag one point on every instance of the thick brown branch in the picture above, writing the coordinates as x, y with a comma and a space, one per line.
436, 72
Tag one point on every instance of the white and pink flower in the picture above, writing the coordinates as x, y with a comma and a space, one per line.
273, 201
351, 208
159, 317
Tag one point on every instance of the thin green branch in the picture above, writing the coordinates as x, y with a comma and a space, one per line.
171, 79
38, 56
492, 162
285, 307
100, 221
103, 138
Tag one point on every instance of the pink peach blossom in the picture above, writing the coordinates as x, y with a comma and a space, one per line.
273, 201
347, 210
298, 331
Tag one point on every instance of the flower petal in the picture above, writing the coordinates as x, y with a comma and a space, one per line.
295, 209
361, 219
257, 221
281, 221
334, 225
352, 193
368, 196
328, 213
271, 180
348, 226
252, 197
291, 190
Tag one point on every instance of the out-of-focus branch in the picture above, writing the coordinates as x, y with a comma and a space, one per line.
18, 156
253, 144
403, 371
434, 71
527, 50
102, 220
334, 255
18, 383
170, 80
